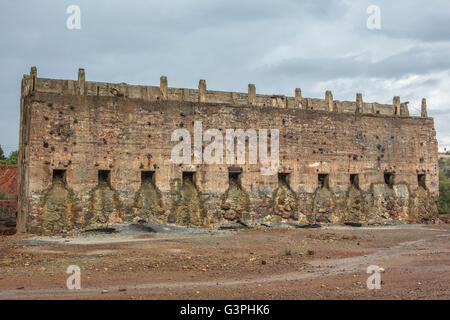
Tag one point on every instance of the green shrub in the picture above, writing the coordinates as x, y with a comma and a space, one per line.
444, 193
11, 160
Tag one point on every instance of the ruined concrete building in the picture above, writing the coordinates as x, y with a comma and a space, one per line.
94, 154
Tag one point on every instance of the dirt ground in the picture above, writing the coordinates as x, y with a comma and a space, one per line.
264, 263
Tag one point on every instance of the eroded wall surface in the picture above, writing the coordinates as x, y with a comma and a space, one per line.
93, 154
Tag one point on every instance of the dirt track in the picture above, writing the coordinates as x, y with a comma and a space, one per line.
247, 264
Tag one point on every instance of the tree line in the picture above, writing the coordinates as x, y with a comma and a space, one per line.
11, 159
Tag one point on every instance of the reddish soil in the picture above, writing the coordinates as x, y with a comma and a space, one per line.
248, 264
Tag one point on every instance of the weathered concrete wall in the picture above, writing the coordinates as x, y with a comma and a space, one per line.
81, 128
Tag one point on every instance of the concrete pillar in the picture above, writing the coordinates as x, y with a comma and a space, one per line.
185, 95
309, 104
202, 91
234, 98
404, 110
359, 103
163, 87
396, 103
424, 113
81, 81
298, 98
251, 94
33, 75
329, 101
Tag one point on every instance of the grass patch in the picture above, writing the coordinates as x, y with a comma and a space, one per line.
293, 249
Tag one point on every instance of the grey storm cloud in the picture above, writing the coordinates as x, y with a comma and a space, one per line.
413, 61
278, 45
422, 20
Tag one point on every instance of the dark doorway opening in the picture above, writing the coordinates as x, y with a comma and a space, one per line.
147, 177
104, 177
59, 176
389, 178
323, 180
354, 180
284, 178
189, 176
234, 176
422, 180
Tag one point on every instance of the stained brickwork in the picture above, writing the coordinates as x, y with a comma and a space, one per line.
94, 153
8, 179
8, 192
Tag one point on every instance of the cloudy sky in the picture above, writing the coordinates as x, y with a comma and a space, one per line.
316, 45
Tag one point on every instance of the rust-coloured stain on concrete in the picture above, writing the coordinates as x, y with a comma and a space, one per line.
8, 179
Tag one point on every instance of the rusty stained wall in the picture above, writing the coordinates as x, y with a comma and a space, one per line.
82, 134
8, 189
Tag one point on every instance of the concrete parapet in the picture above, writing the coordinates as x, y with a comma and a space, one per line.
202, 95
